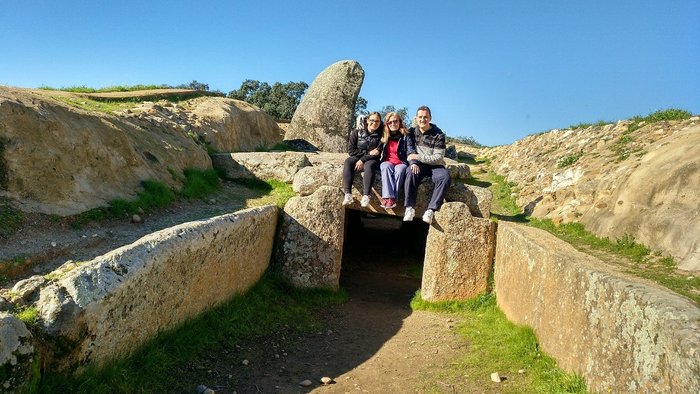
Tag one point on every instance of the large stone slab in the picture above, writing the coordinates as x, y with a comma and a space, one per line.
326, 112
458, 255
621, 334
281, 166
107, 307
327, 170
309, 247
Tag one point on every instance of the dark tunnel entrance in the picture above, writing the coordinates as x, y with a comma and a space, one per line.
382, 256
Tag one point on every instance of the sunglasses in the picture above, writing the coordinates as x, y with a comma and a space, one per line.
393, 121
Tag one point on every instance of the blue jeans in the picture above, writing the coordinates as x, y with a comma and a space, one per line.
441, 180
392, 179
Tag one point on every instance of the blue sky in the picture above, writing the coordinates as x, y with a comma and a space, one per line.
493, 70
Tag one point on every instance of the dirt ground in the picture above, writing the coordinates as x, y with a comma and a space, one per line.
374, 343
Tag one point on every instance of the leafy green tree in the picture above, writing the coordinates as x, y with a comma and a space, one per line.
279, 100
402, 112
361, 106
194, 85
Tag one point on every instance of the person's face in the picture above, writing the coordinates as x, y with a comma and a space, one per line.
423, 119
373, 122
394, 123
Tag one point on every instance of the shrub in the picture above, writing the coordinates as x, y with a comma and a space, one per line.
570, 159
658, 116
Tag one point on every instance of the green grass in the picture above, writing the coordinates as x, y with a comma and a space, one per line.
107, 89
658, 116
503, 203
14, 267
197, 184
104, 106
587, 125
268, 309
272, 191
28, 315
575, 233
634, 258
10, 218
570, 159
623, 147
495, 344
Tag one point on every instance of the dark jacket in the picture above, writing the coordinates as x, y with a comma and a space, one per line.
402, 149
429, 145
362, 141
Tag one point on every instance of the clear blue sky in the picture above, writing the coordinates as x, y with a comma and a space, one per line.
493, 70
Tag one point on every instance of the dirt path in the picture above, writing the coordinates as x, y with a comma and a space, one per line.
374, 343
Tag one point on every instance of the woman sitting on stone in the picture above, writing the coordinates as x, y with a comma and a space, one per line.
364, 147
393, 159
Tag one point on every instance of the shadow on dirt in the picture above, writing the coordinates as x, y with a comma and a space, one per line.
381, 271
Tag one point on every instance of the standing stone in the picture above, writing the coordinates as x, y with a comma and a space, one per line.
310, 241
458, 256
326, 113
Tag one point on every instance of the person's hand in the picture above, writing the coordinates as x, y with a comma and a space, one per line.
414, 156
374, 152
415, 169
359, 166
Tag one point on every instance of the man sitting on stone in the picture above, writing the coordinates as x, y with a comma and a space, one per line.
426, 156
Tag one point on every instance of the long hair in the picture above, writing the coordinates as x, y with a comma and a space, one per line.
361, 122
387, 132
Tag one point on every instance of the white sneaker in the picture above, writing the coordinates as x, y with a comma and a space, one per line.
365, 201
347, 200
428, 216
409, 213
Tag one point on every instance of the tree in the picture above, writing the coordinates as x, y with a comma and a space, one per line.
361, 106
402, 112
279, 100
194, 85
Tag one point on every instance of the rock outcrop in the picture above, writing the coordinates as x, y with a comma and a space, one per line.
229, 125
281, 166
642, 184
325, 115
58, 159
622, 335
16, 354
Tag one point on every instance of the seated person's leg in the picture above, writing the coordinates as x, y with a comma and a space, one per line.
441, 180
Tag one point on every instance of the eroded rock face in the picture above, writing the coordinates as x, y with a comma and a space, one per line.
458, 255
16, 353
309, 247
620, 334
57, 159
325, 115
659, 201
642, 184
153, 284
234, 126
